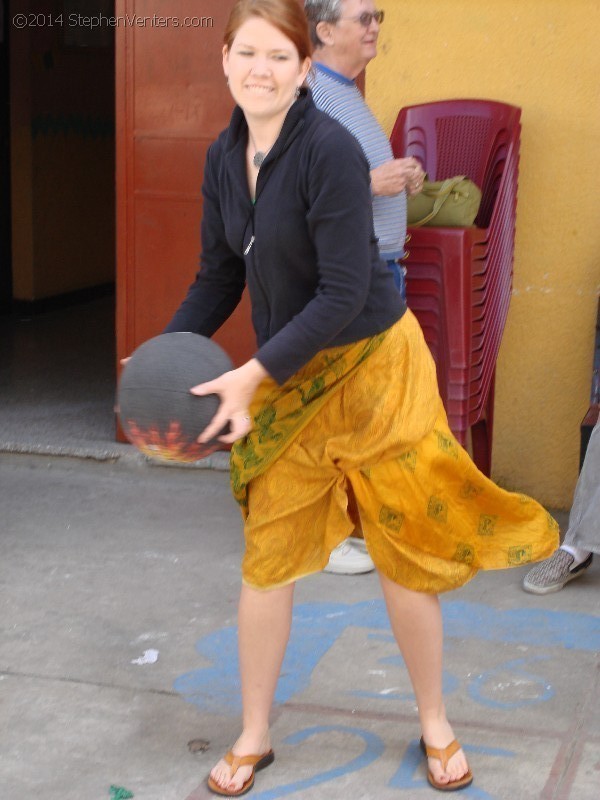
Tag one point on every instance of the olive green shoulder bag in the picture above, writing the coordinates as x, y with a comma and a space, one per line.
452, 203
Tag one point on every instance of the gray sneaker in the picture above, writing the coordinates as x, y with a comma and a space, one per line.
553, 573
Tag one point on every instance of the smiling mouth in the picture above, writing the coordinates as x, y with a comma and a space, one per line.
256, 87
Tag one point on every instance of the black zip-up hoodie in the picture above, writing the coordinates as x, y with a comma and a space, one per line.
306, 247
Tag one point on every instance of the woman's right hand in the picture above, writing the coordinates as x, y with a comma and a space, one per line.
236, 389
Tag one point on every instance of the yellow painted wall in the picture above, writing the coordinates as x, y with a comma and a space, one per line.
543, 56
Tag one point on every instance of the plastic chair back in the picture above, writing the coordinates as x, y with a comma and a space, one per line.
459, 137
459, 280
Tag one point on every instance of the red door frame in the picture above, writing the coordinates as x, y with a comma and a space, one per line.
171, 103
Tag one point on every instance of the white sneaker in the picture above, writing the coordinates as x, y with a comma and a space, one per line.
359, 544
346, 559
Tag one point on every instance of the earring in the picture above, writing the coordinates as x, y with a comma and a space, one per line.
297, 93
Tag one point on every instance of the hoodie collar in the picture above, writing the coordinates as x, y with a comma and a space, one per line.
237, 133
237, 139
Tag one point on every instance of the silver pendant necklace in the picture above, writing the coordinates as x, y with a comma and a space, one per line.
259, 155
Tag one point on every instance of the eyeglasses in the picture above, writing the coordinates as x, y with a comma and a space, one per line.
367, 17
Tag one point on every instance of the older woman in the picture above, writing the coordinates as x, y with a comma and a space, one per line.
339, 406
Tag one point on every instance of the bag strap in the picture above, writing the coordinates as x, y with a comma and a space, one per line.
444, 191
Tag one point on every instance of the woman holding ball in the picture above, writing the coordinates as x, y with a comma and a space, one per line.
339, 406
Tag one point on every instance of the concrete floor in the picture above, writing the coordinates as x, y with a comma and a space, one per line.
57, 375
107, 557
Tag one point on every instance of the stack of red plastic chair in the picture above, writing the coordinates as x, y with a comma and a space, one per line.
459, 280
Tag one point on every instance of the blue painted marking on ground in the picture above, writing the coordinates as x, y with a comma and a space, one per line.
215, 689
373, 750
396, 661
482, 750
450, 684
412, 762
477, 688
317, 626
534, 627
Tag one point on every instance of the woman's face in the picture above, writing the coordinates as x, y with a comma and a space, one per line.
264, 69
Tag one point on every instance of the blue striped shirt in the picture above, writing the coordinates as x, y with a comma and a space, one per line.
339, 97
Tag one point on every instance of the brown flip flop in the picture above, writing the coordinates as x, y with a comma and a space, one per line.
444, 757
235, 762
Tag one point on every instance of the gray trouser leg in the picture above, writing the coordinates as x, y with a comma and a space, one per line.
584, 520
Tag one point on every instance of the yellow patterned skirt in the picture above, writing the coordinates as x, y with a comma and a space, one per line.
365, 423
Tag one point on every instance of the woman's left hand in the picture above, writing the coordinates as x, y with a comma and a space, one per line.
236, 389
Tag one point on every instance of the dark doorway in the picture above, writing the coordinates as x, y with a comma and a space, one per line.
62, 126
57, 271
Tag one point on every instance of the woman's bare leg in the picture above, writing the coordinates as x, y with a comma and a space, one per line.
264, 622
416, 621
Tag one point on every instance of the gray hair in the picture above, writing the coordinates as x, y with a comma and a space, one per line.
321, 11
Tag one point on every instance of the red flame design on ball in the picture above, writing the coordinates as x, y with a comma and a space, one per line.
169, 445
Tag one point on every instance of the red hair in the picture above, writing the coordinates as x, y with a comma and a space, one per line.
286, 15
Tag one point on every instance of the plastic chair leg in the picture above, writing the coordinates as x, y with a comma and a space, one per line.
482, 433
